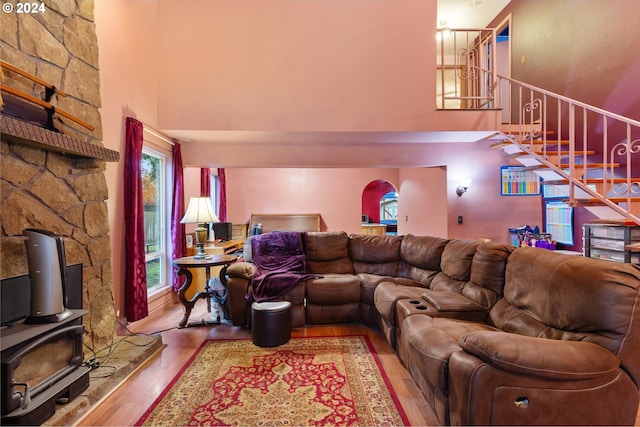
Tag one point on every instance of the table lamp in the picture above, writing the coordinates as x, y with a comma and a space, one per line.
199, 212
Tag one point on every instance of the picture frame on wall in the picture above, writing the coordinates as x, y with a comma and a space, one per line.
189, 238
518, 181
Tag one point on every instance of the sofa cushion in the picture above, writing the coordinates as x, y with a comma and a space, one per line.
488, 273
558, 360
455, 264
430, 341
333, 289
243, 270
328, 252
375, 254
420, 257
474, 270
457, 257
566, 297
334, 298
369, 283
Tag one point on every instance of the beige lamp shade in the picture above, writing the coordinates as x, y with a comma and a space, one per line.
199, 211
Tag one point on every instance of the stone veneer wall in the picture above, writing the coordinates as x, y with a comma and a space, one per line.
46, 189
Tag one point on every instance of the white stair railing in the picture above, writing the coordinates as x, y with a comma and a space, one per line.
582, 146
466, 60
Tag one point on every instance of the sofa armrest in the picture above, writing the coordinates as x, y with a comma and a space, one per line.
445, 301
542, 357
242, 270
238, 287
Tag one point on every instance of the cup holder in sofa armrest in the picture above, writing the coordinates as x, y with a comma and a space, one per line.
542, 357
418, 305
450, 301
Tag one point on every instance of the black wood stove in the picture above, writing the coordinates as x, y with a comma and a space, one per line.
42, 363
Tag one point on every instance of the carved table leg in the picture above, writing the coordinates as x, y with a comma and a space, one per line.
188, 304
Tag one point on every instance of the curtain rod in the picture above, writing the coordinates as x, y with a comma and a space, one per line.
156, 133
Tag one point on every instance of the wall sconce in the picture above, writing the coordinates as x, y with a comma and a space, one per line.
463, 186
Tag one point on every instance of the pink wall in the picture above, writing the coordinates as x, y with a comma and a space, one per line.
586, 52
374, 75
289, 65
422, 202
334, 193
486, 214
426, 195
126, 33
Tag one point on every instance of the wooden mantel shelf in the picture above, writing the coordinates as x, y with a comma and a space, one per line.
15, 130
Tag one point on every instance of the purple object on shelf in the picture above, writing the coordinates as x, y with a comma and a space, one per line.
545, 245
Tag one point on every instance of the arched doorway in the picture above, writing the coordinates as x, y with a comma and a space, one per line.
379, 208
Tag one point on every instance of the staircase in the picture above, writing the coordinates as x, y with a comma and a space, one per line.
587, 155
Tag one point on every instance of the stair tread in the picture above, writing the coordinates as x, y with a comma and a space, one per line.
590, 181
524, 132
565, 153
611, 199
549, 153
501, 144
581, 166
590, 165
550, 142
535, 142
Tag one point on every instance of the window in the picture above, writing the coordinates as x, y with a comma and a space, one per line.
389, 207
154, 190
214, 192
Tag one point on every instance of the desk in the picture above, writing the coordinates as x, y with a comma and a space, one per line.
211, 248
376, 229
228, 247
186, 263
220, 248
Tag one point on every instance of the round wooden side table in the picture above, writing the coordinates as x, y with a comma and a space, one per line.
184, 264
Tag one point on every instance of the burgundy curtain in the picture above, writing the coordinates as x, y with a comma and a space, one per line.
205, 182
222, 195
178, 239
136, 269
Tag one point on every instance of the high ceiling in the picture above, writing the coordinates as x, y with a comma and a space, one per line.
469, 13
456, 13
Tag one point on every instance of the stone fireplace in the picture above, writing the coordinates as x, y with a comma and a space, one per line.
66, 195
55, 181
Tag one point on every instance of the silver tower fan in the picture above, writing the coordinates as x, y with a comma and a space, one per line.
47, 272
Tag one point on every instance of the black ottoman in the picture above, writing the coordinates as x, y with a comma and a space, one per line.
271, 323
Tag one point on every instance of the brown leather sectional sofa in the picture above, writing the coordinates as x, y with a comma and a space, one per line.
491, 334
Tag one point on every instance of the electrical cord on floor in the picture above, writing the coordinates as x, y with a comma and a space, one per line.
144, 334
107, 375
96, 362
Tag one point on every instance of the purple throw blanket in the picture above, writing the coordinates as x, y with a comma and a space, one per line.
280, 264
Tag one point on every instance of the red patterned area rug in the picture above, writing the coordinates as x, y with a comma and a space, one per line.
306, 382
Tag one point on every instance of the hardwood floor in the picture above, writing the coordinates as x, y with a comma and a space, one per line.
127, 403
